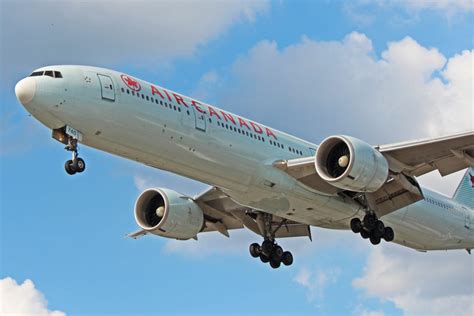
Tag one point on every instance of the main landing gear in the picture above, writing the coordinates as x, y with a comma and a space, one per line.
372, 228
269, 251
76, 164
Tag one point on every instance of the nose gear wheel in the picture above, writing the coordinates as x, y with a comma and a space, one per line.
76, 164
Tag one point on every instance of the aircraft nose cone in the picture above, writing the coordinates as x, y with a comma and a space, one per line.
25, 90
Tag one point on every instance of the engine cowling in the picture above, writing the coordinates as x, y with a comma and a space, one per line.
168, 213
351, 164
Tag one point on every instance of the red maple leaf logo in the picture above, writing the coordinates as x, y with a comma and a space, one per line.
131, 83
472, 180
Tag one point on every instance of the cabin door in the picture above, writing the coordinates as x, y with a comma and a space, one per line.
107, 87
199, 119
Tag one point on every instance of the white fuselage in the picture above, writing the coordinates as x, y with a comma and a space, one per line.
166, 130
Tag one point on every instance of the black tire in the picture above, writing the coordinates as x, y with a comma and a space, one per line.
379, 228
267, 247
264, 258
277, 253
275, 264
356, 225
69, 167
287, 258
255, 250
80, 165
364, 234
388, 234
369, 222
374, 239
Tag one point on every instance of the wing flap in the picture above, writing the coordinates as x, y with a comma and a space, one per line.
222, 214
393, 195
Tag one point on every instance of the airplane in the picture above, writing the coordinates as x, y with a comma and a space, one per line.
261, 179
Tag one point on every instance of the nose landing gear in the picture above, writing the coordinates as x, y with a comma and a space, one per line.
372, 228
76, 164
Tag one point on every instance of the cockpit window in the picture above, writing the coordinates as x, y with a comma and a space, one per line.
37, 73
49, 73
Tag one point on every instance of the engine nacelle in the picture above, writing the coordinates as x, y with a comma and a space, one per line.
168, 213
351, 164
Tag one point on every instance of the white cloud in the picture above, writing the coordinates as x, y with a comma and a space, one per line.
446, 6
364, 12
365, 312
315, 282
104, 32
23, 299
434, 283
335, 87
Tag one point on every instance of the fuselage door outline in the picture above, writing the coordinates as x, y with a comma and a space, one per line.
107, 87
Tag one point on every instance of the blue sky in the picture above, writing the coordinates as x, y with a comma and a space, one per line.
395, 69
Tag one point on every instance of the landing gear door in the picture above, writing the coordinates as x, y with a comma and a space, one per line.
200, 120
107, 87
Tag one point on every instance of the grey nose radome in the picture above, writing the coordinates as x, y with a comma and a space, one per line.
25, 90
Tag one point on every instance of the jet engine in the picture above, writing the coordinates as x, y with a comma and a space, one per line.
168, 213
351, 164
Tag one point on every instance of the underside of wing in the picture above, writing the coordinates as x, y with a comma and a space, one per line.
222, 214
380, 178
445, 154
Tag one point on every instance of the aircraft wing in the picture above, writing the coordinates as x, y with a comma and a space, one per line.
222, 214
445, 154
406, 161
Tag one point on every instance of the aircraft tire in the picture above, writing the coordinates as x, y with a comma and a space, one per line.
287, 258
69, 167
264, 258
255, 250
374, 239
356, 225
275, 264
364, 234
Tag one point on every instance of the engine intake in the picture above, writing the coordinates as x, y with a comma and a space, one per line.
168, 213
351, 164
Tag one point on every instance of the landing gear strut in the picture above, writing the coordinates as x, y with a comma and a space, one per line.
372, 228
269, 251
76, 164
